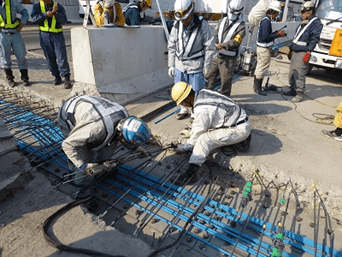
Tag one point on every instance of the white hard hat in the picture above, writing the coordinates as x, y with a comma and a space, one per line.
183, 8
275, 5
235, 6
307, 6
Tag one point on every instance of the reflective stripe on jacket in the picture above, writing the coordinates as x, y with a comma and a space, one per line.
46, 27
265, 36
8, 24
231, 33
211, 98
111, 113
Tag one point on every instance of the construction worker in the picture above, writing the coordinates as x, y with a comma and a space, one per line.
191, 49
304, 42
337, 133
218, 121
10, 38
132, 11
228, 35
51, 16
114, 10
92, 127
265, 38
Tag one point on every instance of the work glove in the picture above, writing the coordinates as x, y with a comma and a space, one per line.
219, 46
171, 72
289, 55
281, 33
183, 148
205, 72
306, 57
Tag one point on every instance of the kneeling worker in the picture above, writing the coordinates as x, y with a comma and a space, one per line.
132, 11
218, 121
114, 10
92, 127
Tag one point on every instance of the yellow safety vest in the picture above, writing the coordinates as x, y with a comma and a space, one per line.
8, 24
46, 28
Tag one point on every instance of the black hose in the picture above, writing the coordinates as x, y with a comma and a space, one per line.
61, 246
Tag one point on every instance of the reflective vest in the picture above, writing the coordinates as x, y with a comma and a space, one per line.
111, 114
264, 44
183, 51
131, 5
209, 97
229, 35
8, 24
300, 32
46, 27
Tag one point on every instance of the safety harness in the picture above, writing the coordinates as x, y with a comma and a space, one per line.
111, 114
234, 25
46, 27
8, 24
300, 32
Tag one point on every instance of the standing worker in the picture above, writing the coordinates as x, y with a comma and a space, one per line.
218, 121
265, 43
228, 35
10, 38
51, 16
304, 42
132, 11
191, 49
92, 127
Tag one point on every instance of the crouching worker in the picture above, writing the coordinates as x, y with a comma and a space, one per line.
108, 12
92, 127
218, 121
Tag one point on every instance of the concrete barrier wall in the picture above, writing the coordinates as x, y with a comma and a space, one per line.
125, 62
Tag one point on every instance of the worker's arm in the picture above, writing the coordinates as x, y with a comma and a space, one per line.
36, 15
236, 40
265, 32
202, 123
172, 47
208, 42
120, 19
23, 12
60, 15
315, 32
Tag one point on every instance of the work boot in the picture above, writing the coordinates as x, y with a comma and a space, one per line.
24, 77
10, 77
257, 87
67, 83
297, 98
188, 177
244, 145
290, 92
58, 80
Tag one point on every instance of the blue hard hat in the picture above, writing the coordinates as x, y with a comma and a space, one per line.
135, 131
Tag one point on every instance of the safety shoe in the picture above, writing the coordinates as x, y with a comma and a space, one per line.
24, 77
181, 116
58, 80
290, 92
67, 83
244, 145
297, 98
11, 82
10, 77
331, 134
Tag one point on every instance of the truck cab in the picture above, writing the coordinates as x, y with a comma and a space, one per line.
328, 52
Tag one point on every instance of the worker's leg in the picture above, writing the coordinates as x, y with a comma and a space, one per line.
58, 42
19, 50
300, 70
180, 76
49, 52
197, 81
227, 73
263, 62
213, 72
218, 138
6, 49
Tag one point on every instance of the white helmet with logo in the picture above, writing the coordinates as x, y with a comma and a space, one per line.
235, 7
183, 8
306, 6
275, 6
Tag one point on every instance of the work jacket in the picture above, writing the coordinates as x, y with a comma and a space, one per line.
132, 14
90, 124
48, 24
213, 110
191, 49
307, 36
8, 15
225, 32
265, 36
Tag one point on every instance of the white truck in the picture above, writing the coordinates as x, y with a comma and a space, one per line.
328, 52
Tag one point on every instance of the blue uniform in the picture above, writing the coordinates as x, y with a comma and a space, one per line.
52, 43
132, 14
265, 35
10, 38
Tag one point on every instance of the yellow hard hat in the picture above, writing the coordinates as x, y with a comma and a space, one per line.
180, 91
148, 3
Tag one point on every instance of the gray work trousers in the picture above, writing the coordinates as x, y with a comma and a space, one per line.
223, 65
298, 71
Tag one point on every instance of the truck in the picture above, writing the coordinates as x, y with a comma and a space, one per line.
328, 52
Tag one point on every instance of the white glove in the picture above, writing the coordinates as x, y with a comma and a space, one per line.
205, 72
183, 148
171, 72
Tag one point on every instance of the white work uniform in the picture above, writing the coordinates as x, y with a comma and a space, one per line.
218, 121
